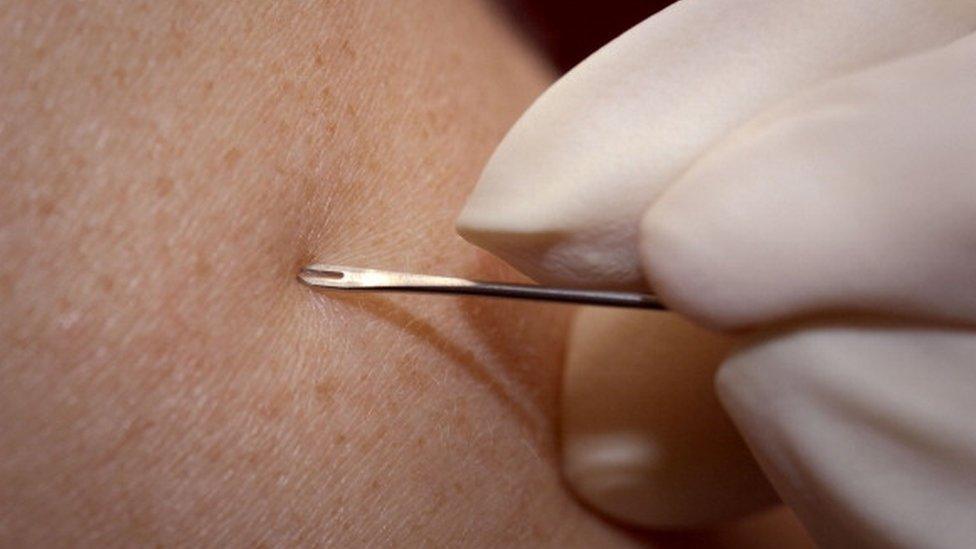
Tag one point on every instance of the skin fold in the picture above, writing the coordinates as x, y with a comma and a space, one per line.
167, 167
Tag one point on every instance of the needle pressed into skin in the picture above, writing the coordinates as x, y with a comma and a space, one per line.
335, 277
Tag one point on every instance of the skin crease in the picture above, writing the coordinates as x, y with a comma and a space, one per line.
167, 168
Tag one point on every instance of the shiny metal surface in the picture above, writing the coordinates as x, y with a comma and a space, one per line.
336, 277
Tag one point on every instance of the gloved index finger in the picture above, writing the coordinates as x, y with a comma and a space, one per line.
562, 197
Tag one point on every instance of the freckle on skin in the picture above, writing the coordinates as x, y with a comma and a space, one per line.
347, 49
270, 410
214, 453
231, 157
324, 391
133, 433
376, 437
164, 186
408, 376
461, 420
175, 49
46, 208
6, 286
202, 268
106, 283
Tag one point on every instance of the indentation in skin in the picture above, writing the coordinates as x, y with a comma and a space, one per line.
164, 186
231, 157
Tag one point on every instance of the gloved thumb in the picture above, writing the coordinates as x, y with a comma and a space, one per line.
866, 431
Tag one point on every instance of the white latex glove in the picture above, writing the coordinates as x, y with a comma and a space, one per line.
783, 166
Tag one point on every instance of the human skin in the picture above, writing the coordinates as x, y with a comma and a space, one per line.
164, 379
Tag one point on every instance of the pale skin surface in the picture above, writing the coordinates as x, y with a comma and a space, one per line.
166, 169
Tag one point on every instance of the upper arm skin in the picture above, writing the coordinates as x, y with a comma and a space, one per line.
166, 168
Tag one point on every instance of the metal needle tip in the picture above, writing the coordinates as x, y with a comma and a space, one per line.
335, 277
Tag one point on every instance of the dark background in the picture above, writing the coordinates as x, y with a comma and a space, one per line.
570, 30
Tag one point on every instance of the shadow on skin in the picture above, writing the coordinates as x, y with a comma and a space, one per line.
390, 313
536, 376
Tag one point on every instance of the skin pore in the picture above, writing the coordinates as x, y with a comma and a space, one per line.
167, 168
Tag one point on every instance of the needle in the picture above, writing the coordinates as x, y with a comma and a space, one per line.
335, 277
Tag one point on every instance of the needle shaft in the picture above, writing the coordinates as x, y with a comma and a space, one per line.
336, 277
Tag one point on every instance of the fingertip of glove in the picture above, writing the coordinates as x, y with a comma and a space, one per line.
495, 219
644, 440
680, 258
542, 236
715, 245
523, 248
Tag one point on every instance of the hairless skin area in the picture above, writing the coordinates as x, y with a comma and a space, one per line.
167, 168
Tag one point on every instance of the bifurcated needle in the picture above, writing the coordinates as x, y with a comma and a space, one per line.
335, 277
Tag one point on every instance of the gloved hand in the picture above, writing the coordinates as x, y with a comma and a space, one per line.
803, 172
